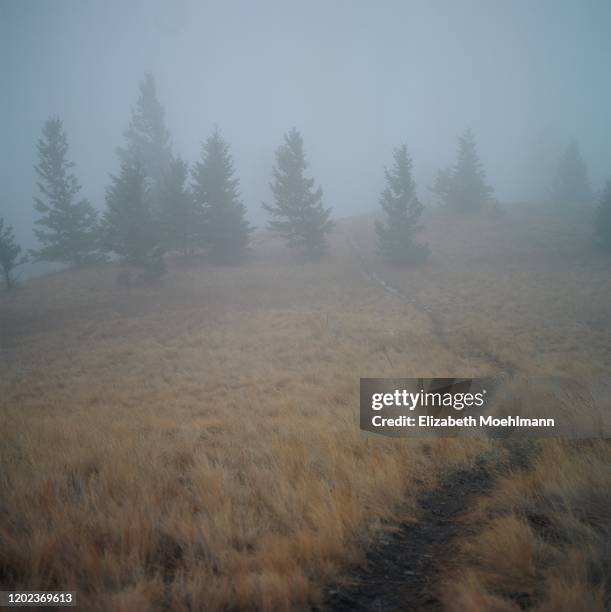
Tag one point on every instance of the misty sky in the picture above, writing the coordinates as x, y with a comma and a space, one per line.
355, 77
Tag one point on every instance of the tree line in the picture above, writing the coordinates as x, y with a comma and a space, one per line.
158, 204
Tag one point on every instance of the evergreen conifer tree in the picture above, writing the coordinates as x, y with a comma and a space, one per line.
297, 213
148, 140
225, 230
180, 220
464, 187
9, 253
69, 224
469, 189
571, 185
128, 225
442, 186
402, 209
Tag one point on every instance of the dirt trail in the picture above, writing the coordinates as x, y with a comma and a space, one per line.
402, 569
437, 324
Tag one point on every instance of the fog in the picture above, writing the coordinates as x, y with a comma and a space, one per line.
356, 78
233, 381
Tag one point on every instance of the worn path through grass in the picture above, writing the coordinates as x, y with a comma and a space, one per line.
403, 568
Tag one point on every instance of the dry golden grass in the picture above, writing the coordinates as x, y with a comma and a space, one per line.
542, 537
194, 444
529, 287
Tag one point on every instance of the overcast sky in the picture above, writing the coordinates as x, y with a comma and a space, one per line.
355, 77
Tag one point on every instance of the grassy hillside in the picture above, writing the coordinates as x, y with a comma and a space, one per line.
540, 540
194, 444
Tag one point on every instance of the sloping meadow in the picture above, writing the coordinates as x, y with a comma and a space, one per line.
195, 444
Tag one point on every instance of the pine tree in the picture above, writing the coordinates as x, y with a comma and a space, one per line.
128, 226
464, 188
69, 233
402, 210
469, 189
442, 186
298, 212
180, 222
571, 185
148, 140
225, 232
9, 253
603, 218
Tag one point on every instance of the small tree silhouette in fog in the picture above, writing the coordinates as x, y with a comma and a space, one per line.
128, 225
180, 221
69, 224
226, 232
147, 139
603, 218
571, 185
298, 213
463, 188
9, 253
442, 186
402, 210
